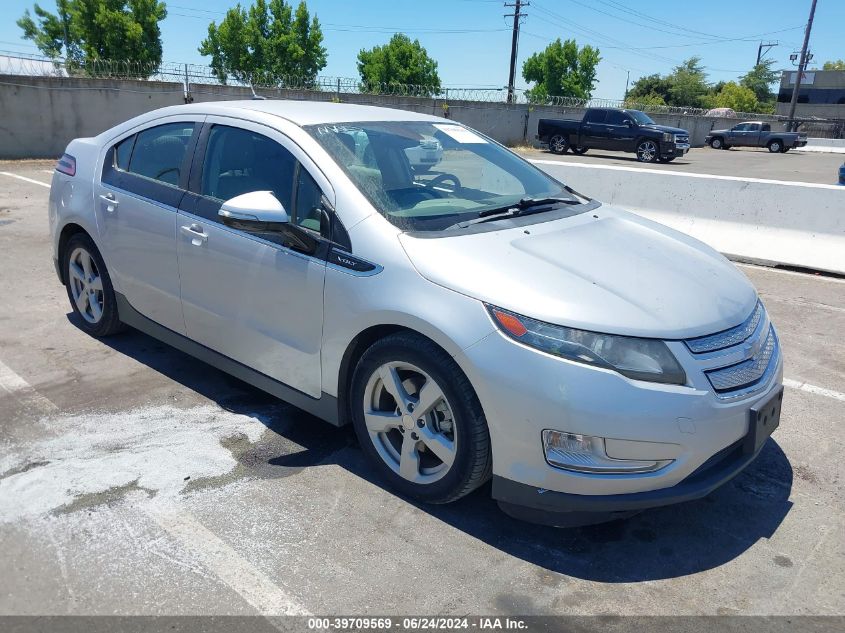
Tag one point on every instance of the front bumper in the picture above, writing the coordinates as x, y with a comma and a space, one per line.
676, 150
524, 391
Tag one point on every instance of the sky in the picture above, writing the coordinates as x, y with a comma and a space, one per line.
471, 39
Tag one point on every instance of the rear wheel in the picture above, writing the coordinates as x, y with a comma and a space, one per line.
647, 151
775, 147
558, 144
419, 421
579, 150
89, 287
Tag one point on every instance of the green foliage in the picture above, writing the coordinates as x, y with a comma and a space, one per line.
760, 79
734, 96
561, 70
688, 84
839, 64
267, 44
400, 61
650, 99
650, 87
86, 30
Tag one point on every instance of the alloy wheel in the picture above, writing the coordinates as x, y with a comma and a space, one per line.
410, 422
558, 144
86, 285
647, 151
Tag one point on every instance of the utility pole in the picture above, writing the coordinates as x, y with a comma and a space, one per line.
802, 65
768, 46
517, 15
627, 80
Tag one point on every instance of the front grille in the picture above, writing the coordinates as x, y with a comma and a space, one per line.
727, 338
749, 372
682, 139
739, 360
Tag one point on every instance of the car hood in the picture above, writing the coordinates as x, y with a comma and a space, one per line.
606, 270
666, 128
712, 132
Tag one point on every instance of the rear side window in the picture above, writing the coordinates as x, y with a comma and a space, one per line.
595, 116
239, 161
159, 152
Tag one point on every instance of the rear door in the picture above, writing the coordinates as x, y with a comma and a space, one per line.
254, 299
594, 132
144, 177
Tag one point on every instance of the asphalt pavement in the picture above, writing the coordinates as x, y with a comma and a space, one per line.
137, 480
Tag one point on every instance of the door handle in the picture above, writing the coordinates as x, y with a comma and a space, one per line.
195, 232
110, 200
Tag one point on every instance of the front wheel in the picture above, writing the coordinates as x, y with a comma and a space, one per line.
775, 147
647, 151
579, 150
558, 144
89, 287
419, 421
716, 143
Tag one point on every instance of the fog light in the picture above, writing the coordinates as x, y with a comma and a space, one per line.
586, 454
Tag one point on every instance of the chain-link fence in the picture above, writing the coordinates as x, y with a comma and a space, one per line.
197, 74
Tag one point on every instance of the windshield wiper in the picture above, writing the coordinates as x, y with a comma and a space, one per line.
524, 204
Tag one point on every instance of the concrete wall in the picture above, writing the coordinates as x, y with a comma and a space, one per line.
798, 224
39, 115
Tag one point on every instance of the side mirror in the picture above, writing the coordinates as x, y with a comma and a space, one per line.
629, 123
257, 211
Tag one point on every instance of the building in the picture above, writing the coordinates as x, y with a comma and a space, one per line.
821, 95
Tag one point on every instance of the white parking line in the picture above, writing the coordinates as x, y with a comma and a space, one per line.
690, 174
819, 391
21, 390
34, 182
229, 566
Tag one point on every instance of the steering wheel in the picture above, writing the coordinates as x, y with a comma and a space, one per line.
443, 178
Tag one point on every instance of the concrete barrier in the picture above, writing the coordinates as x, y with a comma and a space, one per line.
830, 145
771, 221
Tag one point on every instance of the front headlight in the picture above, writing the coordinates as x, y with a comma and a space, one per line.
668, 137
637, 358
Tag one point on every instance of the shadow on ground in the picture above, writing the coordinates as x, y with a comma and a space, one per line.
657, 544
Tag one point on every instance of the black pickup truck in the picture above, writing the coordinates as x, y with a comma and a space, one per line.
615, 129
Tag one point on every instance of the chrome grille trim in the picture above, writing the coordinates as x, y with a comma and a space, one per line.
748, 375
727, 338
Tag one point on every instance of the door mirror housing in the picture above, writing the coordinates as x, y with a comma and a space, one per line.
629, 123
256, 211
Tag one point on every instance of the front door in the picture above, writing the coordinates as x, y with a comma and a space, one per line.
253, 299
144, 178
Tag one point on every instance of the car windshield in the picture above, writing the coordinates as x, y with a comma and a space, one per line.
640, 117
429, 176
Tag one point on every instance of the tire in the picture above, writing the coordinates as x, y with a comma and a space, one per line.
453, 422
89, 287
775, 146
579, 150
558, 144
666, 159
717, 143
648, 151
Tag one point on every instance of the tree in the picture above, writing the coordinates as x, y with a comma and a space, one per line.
839, 64
760, 79
562, 70
268, 44
86, 30
646, 88
734, 96
650, 99
400, 61
688, 83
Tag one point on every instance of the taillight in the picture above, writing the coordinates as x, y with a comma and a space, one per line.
66, 165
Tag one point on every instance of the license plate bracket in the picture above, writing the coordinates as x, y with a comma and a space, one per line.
763, 419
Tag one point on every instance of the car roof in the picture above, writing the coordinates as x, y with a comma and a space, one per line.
305, 112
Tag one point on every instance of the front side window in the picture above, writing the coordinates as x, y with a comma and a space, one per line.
239, 161
428, 176
614, 117
159, 151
